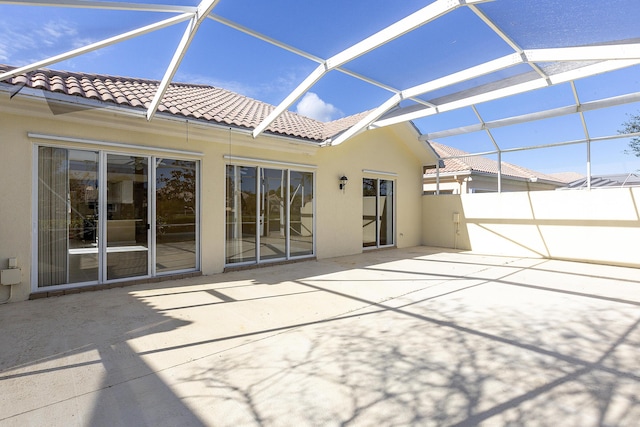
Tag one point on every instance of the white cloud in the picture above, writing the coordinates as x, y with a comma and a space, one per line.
312, 106
51, 32
25, 42
13, 42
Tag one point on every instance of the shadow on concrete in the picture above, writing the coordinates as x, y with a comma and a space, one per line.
404, 337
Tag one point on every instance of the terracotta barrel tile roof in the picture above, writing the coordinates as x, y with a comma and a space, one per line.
199, 102
480, 164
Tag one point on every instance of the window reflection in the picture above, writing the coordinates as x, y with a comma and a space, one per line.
176, 215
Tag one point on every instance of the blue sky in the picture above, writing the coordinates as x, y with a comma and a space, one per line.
224, 57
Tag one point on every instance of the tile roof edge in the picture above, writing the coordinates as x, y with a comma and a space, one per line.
526, 173
52, 73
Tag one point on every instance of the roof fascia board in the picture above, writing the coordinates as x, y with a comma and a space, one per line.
64, 99
95, 46
132, 112
106, 5
465, 172
204, 8
393, 31
474, 172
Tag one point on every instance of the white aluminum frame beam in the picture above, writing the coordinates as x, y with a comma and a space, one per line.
585, 129
306, 55
395, 30
540, 146
451, 79
530, 56
538, 115
98, 45
369, 118
590, 70
584, 53
495, 144
231, 24
204, 8
504, 36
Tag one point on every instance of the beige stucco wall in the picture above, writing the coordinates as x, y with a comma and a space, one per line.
338, 213
601, 226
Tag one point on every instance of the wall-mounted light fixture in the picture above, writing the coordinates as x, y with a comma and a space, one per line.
343, 182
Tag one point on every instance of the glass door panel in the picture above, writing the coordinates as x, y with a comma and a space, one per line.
241, 214
369, 212
301, 213
53, 239
83, 216
67, 216
127, 222
176, 215
386, 212
273, 214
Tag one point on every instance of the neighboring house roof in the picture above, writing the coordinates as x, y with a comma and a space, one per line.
483, 165
195, 101
614, 180
567, 177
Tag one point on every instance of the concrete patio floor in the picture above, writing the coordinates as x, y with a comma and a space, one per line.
419, 336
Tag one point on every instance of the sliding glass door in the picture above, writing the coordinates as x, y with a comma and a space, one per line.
127, 225
68, 215
176, 216
378, 223
301, 219
242, 217
273, 214
96, 210
270, 214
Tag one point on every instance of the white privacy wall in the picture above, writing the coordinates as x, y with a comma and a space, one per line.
601, 225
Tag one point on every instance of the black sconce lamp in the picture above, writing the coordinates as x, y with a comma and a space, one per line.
343, 182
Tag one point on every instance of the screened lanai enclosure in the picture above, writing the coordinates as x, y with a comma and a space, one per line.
492, 77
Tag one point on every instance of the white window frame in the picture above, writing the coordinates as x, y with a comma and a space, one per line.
387, 176
238, 161
103, 148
